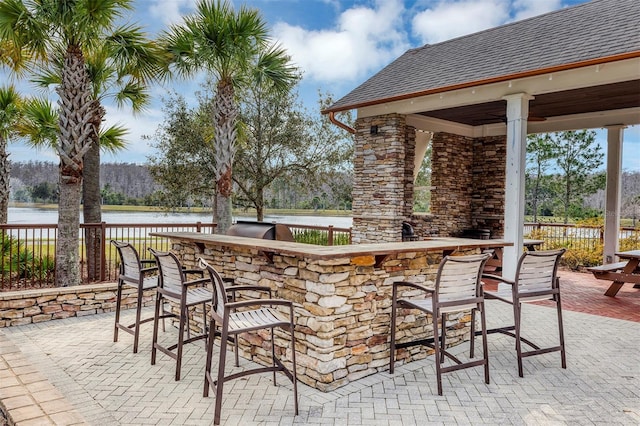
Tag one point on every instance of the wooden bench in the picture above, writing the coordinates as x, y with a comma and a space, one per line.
618, 273
611, 267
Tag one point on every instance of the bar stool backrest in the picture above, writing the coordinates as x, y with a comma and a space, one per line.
458, 281
171, 275
537, 272
129, 261
219, 294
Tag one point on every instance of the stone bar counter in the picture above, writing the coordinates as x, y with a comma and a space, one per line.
342, 296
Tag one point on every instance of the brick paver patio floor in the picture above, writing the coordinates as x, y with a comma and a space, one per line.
70, 372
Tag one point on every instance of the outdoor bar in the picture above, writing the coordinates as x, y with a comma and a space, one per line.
342, 296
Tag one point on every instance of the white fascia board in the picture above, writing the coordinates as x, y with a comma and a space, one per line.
592, 120
593, 75
430, 124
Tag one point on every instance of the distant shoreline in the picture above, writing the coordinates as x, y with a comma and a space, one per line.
237, 212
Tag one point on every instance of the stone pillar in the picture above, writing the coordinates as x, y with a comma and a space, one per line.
489, 170
451, 183
383, 178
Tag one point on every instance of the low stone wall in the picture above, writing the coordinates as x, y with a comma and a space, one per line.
47, 304
342, 309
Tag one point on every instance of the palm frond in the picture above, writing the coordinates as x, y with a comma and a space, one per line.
23, 31
274, 68
9, 97
134, 55
10, 103
178, 46
112, 139
39, 124
133, 94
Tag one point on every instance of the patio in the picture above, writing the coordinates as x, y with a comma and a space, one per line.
70, 372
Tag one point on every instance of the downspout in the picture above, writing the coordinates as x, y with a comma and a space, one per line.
340, 124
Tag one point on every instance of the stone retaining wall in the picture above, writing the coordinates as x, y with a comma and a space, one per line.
47, 304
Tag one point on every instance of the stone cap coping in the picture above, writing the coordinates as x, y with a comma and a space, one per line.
311, 251
38, 292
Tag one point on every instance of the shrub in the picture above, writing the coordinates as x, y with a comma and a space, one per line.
17, 260
578, 255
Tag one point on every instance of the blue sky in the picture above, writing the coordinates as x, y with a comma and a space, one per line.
337, 44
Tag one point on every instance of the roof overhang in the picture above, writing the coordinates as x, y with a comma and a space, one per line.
591, 96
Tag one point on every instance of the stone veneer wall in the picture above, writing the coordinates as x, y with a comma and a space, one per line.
47, 304
467, 186
489, 174
342, 309
452, 183
383, 178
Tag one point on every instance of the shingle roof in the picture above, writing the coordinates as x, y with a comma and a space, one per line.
586, 32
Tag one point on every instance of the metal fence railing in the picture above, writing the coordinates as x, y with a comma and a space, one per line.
321, 235
579, 237
27, 257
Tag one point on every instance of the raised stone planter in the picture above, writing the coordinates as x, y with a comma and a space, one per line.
47, 304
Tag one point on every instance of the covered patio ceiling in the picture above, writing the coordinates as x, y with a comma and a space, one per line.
593, 99
580, 96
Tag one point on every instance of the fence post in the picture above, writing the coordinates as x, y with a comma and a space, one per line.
198, 226
103, 251
330, 237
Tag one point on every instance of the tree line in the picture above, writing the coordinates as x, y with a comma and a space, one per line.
134, 184
565, 178
120, 183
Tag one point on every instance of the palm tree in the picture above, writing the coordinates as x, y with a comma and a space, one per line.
39, 126
120, 68
9, 117
235, 50
67, 30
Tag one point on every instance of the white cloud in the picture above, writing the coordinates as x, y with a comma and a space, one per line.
450, 19
170, 11
528, 8
137, 148
363, 40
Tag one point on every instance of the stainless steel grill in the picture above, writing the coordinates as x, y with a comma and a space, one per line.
262, 230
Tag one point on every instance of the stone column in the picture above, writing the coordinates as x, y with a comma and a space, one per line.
451, 183
489, 169
383, 178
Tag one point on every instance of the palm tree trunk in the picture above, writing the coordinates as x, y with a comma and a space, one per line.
77, 112
91, 206
67, 255
225, 116
91, 210
5, 168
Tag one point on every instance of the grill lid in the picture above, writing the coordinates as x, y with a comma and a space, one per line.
262, 230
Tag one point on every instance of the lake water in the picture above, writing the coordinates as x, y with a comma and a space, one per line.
29, 215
